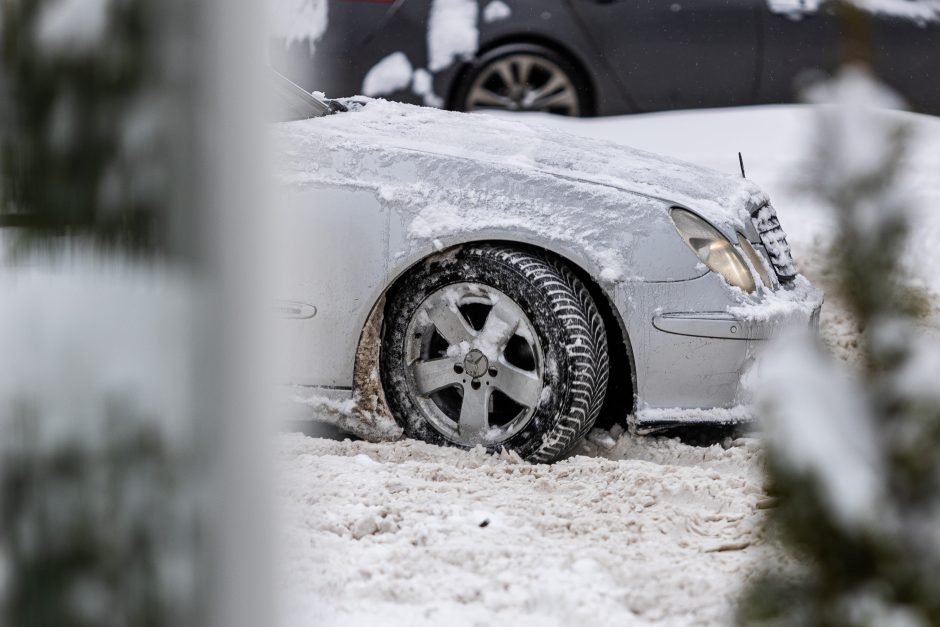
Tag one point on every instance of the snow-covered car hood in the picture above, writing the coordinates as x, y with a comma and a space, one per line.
725, 199
451, 177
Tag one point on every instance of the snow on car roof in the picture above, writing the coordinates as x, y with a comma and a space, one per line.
724, 199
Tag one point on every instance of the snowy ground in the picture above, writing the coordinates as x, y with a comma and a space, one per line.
628, 531
649, 532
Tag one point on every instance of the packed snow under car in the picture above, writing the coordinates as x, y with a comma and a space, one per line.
471, 280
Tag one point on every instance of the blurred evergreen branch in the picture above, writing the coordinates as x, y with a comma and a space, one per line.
97, 512
72, 161
90, 532
881, 567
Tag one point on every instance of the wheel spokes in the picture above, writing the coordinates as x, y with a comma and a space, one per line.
483, 97
523, 69
557, 91
449, 322
474, 412
431, 376
504, 69
520, 385
553, 85
501, 324
565, 98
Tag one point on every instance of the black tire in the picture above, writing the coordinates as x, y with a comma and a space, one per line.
462, 93
564, 317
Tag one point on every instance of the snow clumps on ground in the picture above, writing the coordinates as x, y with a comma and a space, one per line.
632, 531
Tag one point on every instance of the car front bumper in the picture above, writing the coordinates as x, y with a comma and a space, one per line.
693, 341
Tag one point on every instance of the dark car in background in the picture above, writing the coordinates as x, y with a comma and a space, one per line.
601, 57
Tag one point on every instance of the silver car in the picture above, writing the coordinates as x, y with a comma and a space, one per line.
470, 280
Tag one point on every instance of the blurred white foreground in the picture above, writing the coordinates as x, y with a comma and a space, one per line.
637, 532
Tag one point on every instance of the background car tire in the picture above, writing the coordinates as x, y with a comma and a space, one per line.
563, 325
494, 81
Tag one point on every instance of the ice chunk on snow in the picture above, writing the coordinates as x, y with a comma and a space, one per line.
391, 74
346, 414
495, 11
452, 32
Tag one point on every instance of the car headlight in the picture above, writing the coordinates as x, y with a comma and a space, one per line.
756, 260
713, 249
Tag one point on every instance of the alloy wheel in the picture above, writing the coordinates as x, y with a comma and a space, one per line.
474, 364
524, 82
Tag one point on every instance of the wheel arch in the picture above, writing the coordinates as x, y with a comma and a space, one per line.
534, 39
621, 395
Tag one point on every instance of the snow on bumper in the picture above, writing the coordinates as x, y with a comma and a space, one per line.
776, 312
691, 361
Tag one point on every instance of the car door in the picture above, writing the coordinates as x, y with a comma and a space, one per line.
671, 54
330, 247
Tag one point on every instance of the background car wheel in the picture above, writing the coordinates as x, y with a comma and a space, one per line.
524, 77
497, 347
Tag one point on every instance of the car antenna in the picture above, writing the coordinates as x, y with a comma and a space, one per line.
741, 163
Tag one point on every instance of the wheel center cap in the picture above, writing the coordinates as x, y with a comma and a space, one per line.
475, 363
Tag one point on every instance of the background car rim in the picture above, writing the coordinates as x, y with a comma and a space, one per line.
474, 364
524, 82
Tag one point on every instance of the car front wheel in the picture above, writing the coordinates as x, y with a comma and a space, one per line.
497, 347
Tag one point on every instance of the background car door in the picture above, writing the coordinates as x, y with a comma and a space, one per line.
907, 57
677, 53
800, 44
804, 41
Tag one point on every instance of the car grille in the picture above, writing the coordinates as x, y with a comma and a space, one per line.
775, 242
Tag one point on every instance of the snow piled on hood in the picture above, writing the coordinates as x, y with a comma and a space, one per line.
723, 199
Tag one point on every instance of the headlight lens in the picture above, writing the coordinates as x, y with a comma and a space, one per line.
756, 260
713, 249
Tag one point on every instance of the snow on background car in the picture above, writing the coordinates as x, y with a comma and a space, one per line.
298, 20
639, 531
452, 36
922, 11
